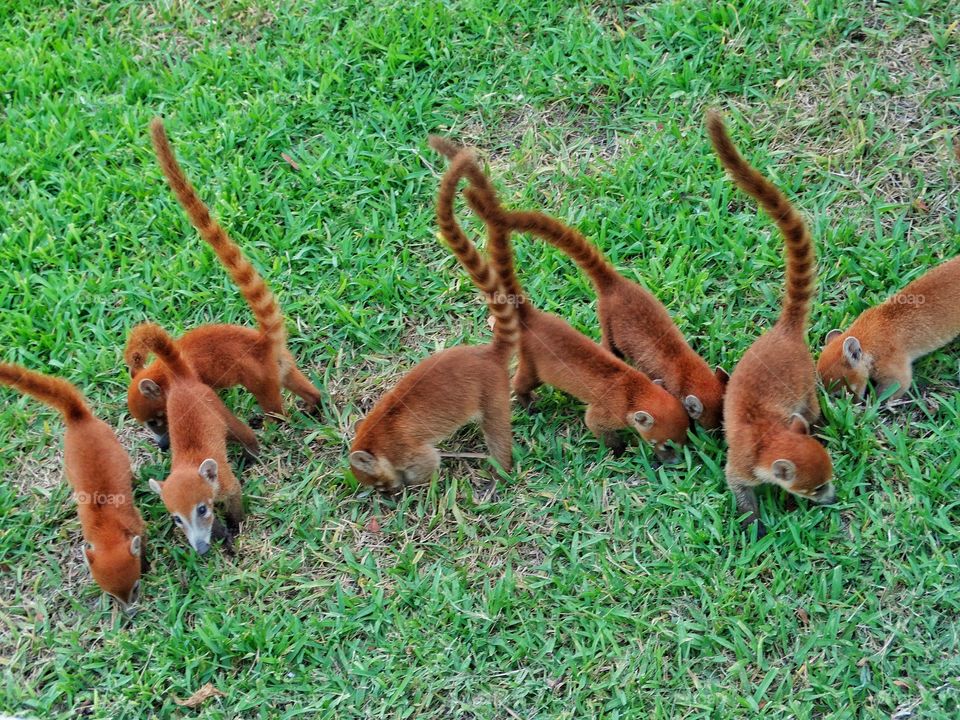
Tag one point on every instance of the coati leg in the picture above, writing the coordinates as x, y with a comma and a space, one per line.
420, 468
525, 381
891, 373
233, 510
747, 503
269, 398
298, 383
607, 429
239, 432
219, 532
498, 436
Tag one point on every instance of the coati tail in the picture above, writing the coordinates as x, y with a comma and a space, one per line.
502, 305
564, 238
262, 302
150, 337
52, 391
799, 244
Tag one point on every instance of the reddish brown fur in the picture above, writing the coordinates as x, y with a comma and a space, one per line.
771, 397
633, 322
223, 355
883, 343
98, 469
617, 396
395, 444
200, 425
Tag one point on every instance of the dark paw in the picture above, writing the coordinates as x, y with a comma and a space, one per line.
247, 458
529, 403
255, 422
761, 528
487, 493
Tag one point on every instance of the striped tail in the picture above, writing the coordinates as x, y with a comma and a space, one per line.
254, 290
799, 244
567, 239
483, 200
53, 391
506, 330
149, 337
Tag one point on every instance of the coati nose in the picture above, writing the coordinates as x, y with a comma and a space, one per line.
163, 442
826, 496
202, 546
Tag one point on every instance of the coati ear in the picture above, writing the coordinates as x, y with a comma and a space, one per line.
659, 381
799, 424
150, 389
364, 462
642, 420
157, 487
784, 470
833, 335
852, 352
208, 471
135, 545
722, 375
693, 406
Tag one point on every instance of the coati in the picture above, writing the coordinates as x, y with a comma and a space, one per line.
222, 355
634, 324
882, 344
395, 443
200, 426
618, 396
98, 470
772, 395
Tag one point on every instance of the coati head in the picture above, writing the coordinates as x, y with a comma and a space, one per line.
116, 563
661, 420
703, 399
377, 471
795, 461
844, 364
146, 399
189, 495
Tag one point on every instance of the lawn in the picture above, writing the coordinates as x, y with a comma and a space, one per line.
594, 587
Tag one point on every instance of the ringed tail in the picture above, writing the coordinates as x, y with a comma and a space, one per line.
150, 337
799, 244
53, 391
506, 329
262, 302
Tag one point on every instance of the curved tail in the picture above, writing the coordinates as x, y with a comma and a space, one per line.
150, 337
502, 306
799, 244
53, 391
483, 200
262, 302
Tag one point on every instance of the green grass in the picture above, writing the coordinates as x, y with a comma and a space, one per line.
594, 587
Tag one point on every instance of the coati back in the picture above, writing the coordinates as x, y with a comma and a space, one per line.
883, 343
395, 443
98, 470
223, 355
771, 397
618, 396
634, 324
200, 425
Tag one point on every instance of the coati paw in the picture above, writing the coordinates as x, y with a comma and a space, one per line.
529, 403
487, 492
255, 422
761, 528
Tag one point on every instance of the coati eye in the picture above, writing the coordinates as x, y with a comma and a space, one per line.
176, 519
201, 510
